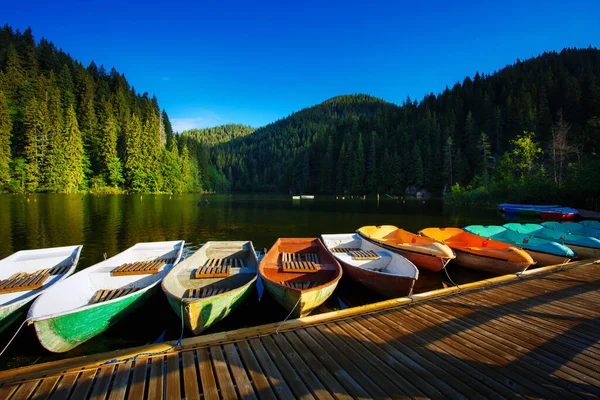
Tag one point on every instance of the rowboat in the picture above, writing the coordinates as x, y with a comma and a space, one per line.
205, 287
591, 223
421, 251
90, 301
503, 206
544, 251
559, 214
300, 274
584, 246
483, 254
382, 271
26, 274
573, 227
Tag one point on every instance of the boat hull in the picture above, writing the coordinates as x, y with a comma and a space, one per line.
584, 252
487, 264
201, 314
387, 285
65, 332
300, 304
545, 259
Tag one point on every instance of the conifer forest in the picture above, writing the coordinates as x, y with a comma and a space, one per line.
530, 131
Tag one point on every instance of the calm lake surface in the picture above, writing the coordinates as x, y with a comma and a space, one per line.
110, 224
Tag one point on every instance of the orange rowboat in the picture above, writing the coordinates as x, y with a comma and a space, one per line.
422, 251
477, 252
300, 274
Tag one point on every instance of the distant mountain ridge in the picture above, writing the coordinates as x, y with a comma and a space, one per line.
362, 144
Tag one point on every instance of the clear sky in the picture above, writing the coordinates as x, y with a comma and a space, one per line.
253, 62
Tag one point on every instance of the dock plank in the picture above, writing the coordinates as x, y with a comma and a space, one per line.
173, 387
222, 374
257, 375
238, 372
44, 390
209, 385
119, 386
190, 376
137, 387
274, 376
157, 377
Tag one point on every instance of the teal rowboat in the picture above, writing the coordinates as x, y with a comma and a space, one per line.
544, 251
591, 223
92, 300
574, 228
60, 263
583, 246
204, 301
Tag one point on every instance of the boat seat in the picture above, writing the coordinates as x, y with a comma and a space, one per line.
22, 281
302, 284
218, 268
142, 267
300, 262
201, 293
59, 270
358, 254
109, 294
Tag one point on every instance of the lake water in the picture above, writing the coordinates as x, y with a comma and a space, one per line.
110, 224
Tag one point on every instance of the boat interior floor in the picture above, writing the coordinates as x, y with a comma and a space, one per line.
357, 253
218, 268
110, 294
142, 267
301, 284
204, 292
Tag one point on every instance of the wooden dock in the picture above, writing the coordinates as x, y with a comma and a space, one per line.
533, 336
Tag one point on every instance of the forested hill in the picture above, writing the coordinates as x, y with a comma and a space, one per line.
360, 144
65, 127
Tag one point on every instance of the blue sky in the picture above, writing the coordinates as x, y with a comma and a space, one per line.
253, 62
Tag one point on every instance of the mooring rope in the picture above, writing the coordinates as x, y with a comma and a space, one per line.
13, 338
277, 330
450, 279
153, 353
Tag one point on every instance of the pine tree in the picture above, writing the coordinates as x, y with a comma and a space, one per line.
327, 170
134, 163
485, 154
35, 124
5, 132
448, 170
340, 173
72, 160
168, 129
186, 170
151, 151
112, 167
67, 89
371, 177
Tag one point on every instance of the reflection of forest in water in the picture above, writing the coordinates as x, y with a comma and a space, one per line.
109, 224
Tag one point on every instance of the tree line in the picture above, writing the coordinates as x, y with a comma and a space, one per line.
471, 134
67, 128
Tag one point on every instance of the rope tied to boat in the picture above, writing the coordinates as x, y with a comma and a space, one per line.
153, 353
286, 318
448, 275
13, 338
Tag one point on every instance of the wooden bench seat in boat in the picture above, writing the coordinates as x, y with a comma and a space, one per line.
205, 292
357, 254
109, 294
22, 281
218, 268
142, 267
300, 262
301, 285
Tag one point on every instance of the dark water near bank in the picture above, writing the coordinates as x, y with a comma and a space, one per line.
110, 224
